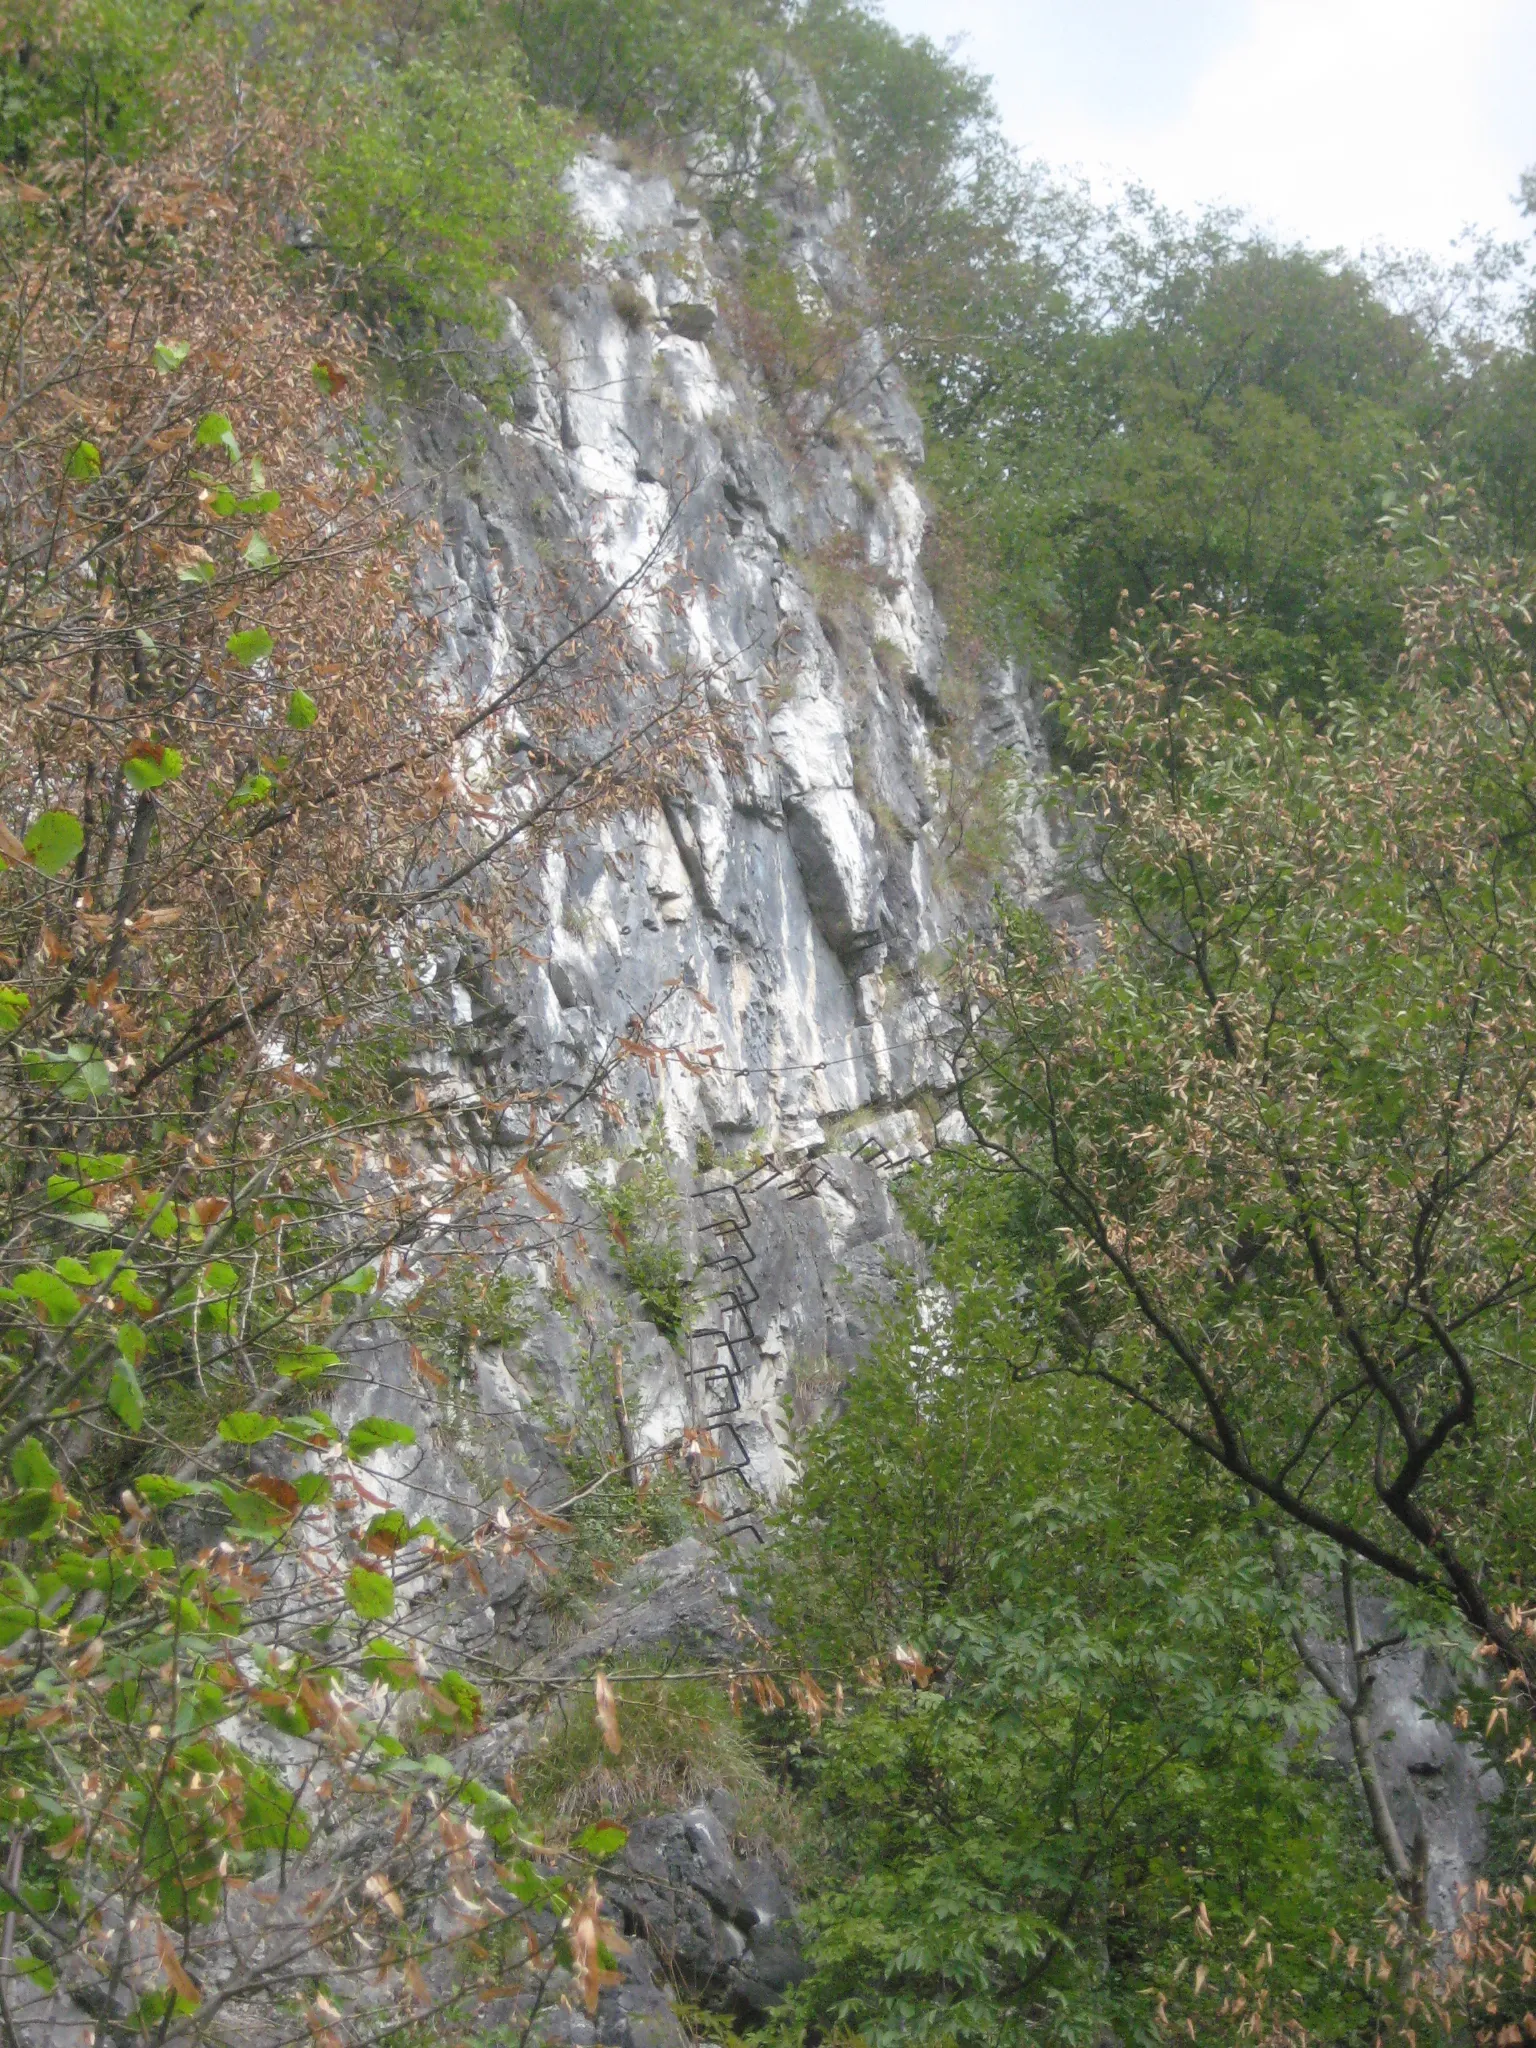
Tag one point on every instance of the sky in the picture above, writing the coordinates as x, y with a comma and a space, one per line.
1343, 123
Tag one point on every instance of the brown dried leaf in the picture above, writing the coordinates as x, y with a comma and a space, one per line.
607, 1712
921, 1674
175, 1975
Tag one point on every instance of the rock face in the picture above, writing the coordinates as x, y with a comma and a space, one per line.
775, 920
776, 917
721, 1921
1439, 1784
793, 898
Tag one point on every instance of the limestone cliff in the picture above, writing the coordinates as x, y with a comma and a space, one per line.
779, 921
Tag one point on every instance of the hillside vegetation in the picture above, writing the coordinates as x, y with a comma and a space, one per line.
1226, 1334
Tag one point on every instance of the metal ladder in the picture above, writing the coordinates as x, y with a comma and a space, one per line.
728, 1336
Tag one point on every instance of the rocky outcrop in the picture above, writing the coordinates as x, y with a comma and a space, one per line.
794, 896
1440, 1783
722, 1921
776, 917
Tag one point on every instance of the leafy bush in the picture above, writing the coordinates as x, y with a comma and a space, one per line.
441, 180
642, 1217
87, 76
224, 768
1075, 1766
675, 67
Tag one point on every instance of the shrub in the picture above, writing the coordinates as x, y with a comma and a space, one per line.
441, 180
642, 1219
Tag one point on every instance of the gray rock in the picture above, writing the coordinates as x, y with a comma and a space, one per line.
721, 1920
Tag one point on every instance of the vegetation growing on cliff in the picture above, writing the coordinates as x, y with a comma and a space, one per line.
1235, 1277
238, 777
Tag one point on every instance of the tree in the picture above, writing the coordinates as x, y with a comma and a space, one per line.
1072, 1764
1280, 1107
240, 776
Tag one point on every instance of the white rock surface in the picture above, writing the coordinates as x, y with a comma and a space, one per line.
792, 898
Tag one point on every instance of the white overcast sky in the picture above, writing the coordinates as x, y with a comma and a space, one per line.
1344, 123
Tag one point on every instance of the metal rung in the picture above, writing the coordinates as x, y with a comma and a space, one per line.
721, 1336
728, 1226
741, 1464
730, 1189
725, 1258
726, 1380
747, 1335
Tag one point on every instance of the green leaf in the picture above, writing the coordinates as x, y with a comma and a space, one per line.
386, 1533
314, 1427
215, 431
14, 1005
257, 554
131, 1342
75, 1271
14, 1622
86, 1169
57, 1301
246, 1427
79, 1074
312, 1488
253, 790
128, 1291
170, 355
125, 1397
163, 1493
363, 1281
374, 1432
251, 1513
467, 1698
54, 840
302, 711
307, 1363
369, 1594
260, 503
31, 1464
601, 1840
382, 1659
28, 1515
250, 646
84, 462
197, 572
148, 766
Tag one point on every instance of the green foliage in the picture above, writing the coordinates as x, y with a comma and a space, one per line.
642, 1214
441, 182
1075, 1736
670, 68
463, 1306
85, 79
1282, 1122
942, 196
1216, 415
679, 1740
617, 1524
